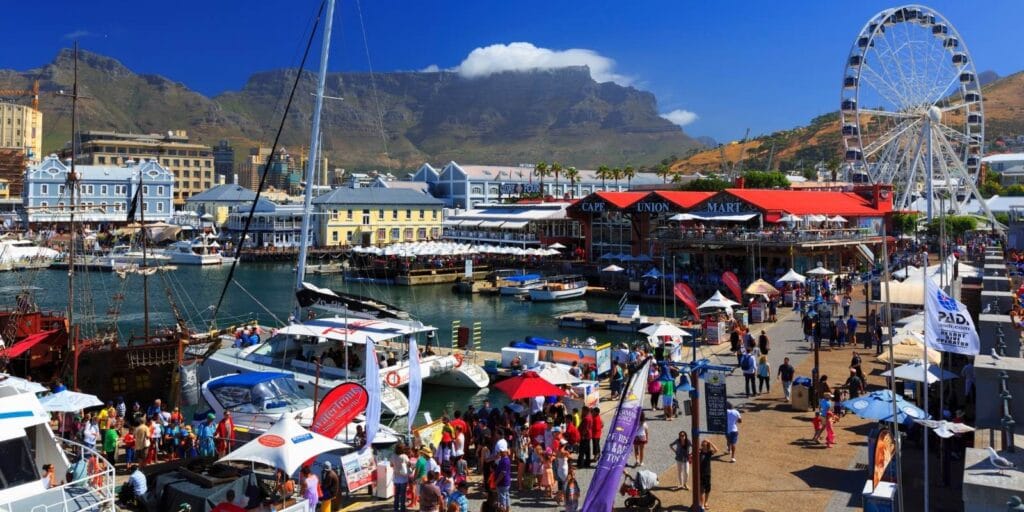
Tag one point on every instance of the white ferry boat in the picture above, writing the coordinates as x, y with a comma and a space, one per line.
560, 288
520, 284
340, 344
29, 444
197, 251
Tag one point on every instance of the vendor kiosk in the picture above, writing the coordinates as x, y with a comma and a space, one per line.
715, 331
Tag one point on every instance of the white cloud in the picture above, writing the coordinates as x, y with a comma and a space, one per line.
433, 68
680, 117
525, 57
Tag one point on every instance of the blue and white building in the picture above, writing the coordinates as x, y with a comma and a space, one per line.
466, 186
273, 225
104, 194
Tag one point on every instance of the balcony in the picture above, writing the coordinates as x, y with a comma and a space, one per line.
766, 236
490, 236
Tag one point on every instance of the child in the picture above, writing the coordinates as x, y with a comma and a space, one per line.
547, 478
819, 427
129, 449
830, 433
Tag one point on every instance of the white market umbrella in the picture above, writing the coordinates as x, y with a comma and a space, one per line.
945, 429
663, 328
286, 446
914, 372
69, 401
718, 301
820, 271
653, 273
556, 245
612, 268
23, 385
790, 218
838, 219
791, 277
558, 375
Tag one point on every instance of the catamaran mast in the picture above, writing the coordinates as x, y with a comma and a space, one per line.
72, 185
145, 266
314, 151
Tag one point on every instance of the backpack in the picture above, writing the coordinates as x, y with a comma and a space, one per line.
747, 363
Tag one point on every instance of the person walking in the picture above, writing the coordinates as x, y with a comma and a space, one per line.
707, 450
640, 441
854, 384
597, 427
764, 375
308, 485
851, 327
762, 343
681, 447
732, 430
847, 302
785, 374
330, 485
503, 478
400, 465
586, 426
749, 367
668, 395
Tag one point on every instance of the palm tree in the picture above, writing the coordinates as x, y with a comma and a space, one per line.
663, 172
556, 169
616, 175
629, 173
573, 175
604, 173
541, 170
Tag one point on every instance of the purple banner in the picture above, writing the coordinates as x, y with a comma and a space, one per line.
617, 446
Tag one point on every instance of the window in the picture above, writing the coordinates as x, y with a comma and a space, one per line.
394, 216
120, 190
44, 189
103, 190
87, 189
145, 190
186, 174
435, 233
60, 190
44, 204
395, 233
160, 206
101, 160
195, 163
195, 184
349, 216
421, 233
145, 206
60, 205
423, 213
104, 206
408, 233
380, 214
167, 162
177, 162
160, 190
434, 214
334, 236
408, 214
16, 462
380, 234
366, 217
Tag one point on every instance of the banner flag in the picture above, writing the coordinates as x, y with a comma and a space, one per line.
338, 408
686, 296
948, 325
618, 446
415, 382
733, 283
373, 389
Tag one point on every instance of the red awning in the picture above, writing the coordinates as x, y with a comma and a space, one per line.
26, 344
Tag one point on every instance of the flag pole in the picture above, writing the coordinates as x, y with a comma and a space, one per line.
924, 384
892, 367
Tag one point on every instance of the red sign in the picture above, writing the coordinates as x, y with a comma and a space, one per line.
733, 283
271, 441
338, 408
685, 294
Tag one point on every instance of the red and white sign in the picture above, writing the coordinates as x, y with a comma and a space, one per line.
338, 408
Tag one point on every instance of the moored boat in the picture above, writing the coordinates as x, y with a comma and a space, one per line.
560, 288
520, 284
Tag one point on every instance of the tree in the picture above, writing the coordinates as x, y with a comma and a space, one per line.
905, 222
663, 172
833, 165
556, 169
707, 185
810, 174
541, 170
1015, 190
604, 173
572, 174
992, 186
616, 175
629, 173
956, 225
763, 179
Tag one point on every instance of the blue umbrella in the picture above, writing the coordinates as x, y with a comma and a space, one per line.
877, 405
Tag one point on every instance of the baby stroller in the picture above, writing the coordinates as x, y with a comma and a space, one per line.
638, 490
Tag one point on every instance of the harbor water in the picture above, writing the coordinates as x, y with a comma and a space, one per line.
264, 292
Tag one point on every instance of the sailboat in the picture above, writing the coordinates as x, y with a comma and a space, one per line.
325, 352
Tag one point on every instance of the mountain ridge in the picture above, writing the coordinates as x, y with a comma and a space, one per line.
391, 120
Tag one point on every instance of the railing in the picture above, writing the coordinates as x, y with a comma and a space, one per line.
623, 300
713, 235
95, 491
490, 236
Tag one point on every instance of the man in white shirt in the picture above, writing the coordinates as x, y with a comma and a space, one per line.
732, 428
536, 406
91, 433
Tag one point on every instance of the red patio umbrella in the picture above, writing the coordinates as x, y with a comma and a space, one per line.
528, 385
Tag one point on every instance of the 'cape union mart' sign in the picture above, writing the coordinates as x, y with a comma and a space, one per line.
595, 207
732, 207
652, 207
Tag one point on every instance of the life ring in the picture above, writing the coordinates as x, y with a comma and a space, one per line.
393, 379
458, 360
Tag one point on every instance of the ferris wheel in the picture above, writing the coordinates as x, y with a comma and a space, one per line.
911, 110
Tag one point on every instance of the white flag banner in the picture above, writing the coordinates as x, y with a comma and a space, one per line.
373, 389
948, 324
415, 382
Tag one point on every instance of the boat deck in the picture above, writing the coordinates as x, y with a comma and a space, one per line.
607, 321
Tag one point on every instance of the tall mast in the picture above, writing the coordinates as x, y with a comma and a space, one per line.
314, 151
145, 266
72, 185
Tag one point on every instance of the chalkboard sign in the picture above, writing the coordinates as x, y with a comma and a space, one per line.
714, 404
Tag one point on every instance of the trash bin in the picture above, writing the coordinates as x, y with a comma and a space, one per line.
801, 396
384, 488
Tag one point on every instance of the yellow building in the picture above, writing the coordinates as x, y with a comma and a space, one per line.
21, 127
5, 189
191, 164
377, 216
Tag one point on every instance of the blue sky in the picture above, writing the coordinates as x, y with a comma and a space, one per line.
762, 65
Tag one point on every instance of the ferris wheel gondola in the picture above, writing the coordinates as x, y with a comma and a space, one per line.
911, 108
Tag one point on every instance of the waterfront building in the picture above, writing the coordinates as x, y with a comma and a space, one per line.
465, 186
219, 201
1010, 167
283, 175
526, 225
21, 128
224, 162
104, 193
191, 164
273, 224
377, 216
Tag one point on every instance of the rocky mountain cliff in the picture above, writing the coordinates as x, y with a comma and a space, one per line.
395, 120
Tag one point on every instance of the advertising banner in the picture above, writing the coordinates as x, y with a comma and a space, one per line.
338, 408
358, 469
714, 402
948, 325
733, 283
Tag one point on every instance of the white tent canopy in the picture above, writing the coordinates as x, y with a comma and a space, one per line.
789, 217
286, 446
791, 277
820, 271
612, 268
914, 372
557, 375
69, 401
663, 328
838, 219
718, 301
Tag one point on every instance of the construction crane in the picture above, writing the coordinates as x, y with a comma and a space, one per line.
738, 167
34, 92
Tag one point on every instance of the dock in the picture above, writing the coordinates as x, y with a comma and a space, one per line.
607, 321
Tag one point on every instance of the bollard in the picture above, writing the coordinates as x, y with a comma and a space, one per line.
1001, 343
1006, 422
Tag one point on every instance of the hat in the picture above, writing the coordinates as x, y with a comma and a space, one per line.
563, 441
427, 451
556, 428
211, 416
327, 465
